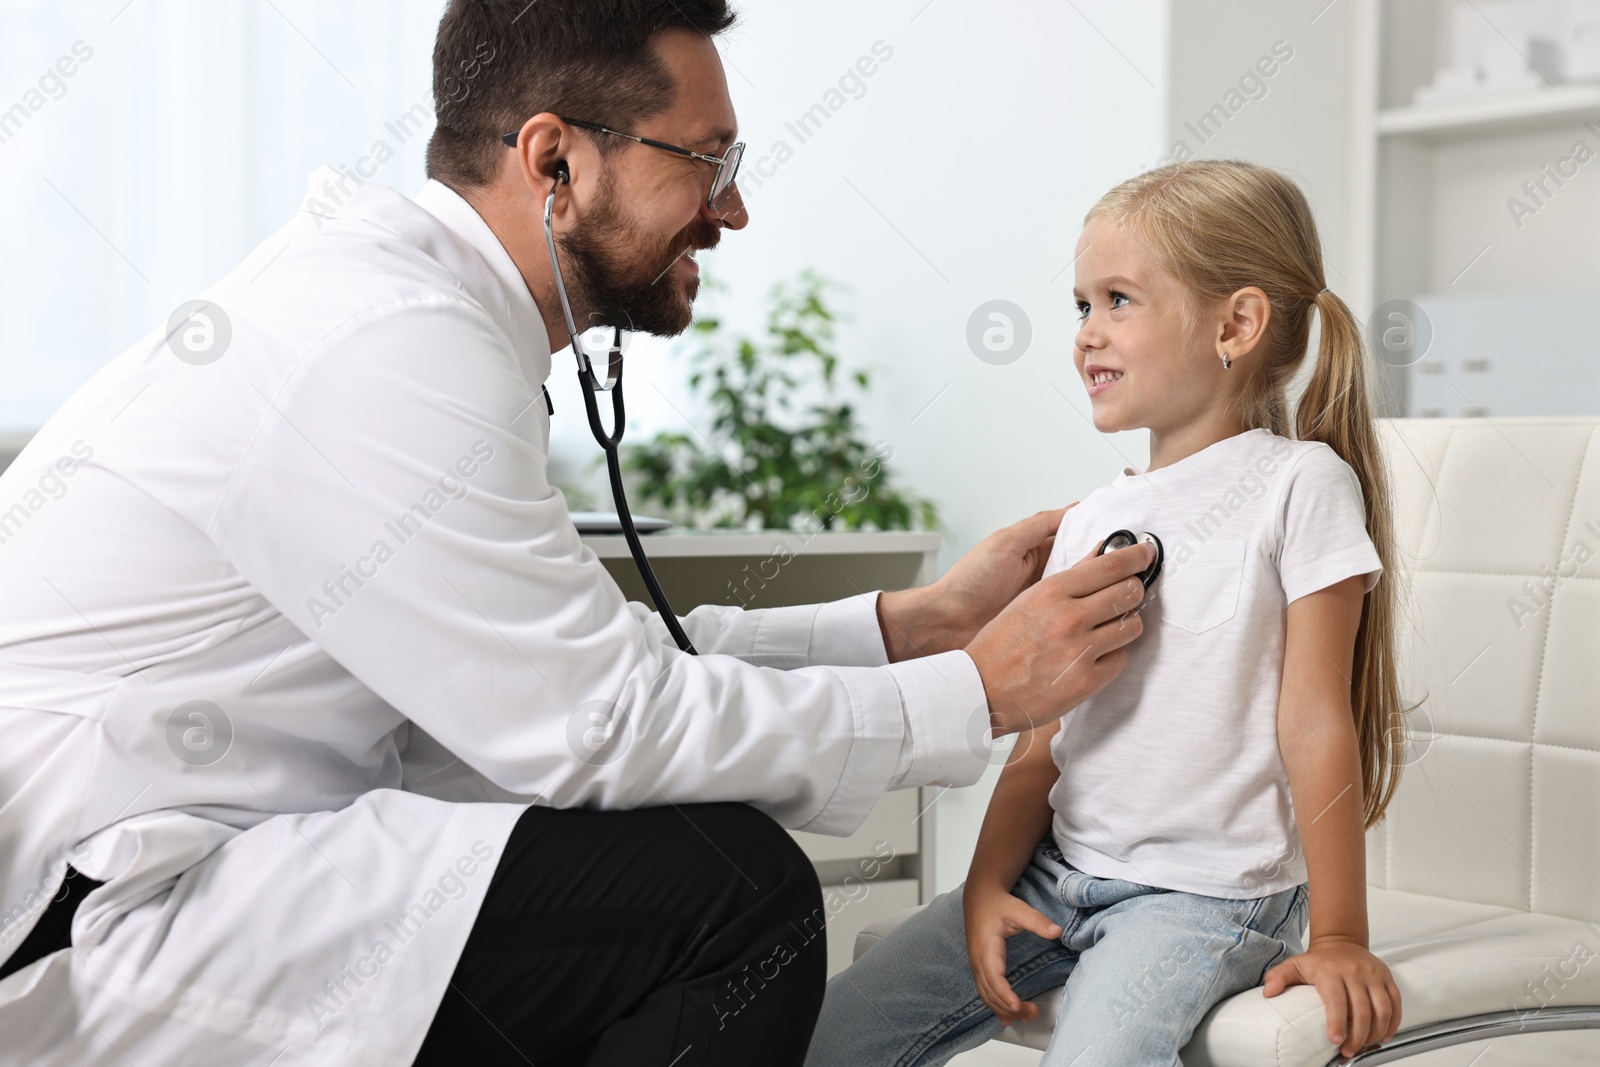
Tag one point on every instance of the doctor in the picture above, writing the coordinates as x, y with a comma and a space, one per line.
302, 663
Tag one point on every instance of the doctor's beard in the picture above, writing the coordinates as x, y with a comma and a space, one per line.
619, 279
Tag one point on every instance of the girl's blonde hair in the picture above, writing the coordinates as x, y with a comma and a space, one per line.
1218, 226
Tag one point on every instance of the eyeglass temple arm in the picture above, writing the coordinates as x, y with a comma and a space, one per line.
510, 140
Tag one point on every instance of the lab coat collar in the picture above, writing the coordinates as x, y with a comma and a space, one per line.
511, 302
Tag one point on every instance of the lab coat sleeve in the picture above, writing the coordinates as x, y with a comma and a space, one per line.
844, 633
394, 505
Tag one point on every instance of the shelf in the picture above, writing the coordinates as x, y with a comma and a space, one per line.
1511, 112
723, 543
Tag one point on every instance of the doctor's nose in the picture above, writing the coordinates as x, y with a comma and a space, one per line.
732, 215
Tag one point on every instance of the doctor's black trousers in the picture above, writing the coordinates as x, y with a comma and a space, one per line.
659, 937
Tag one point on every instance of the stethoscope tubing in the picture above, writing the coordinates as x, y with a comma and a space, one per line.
611, 441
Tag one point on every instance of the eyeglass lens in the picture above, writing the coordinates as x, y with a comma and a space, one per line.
723, 181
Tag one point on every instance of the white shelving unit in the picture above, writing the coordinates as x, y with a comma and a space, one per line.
1431, 191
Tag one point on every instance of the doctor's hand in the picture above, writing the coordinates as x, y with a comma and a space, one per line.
1061, 640
949, 613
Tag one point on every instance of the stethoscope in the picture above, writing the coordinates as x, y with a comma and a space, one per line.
589, 385
1127, 539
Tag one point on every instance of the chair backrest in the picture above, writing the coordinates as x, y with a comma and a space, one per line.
1498, 525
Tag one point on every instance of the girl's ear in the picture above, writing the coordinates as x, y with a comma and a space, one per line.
1244, 323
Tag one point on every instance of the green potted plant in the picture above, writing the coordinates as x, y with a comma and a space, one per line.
769, 466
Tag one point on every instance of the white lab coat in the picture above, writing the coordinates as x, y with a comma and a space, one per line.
341, 537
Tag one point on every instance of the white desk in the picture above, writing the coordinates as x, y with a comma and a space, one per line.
771, 569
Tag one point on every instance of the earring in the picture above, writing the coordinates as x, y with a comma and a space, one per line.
1226, 362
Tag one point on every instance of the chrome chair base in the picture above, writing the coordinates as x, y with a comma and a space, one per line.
1409, 1043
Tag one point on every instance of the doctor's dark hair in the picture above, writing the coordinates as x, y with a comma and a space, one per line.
1218, 226
497, 63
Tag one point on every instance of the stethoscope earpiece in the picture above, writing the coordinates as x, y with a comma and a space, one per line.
1127, 539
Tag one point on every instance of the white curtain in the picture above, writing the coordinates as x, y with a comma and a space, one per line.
147, 145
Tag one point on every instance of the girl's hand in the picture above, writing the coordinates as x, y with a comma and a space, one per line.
992, 915
1358, 993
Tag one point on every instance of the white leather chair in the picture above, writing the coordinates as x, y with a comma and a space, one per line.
1484, 877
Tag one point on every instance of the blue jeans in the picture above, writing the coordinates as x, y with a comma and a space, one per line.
1141, 966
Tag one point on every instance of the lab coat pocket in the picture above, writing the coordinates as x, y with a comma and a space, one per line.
1203, 591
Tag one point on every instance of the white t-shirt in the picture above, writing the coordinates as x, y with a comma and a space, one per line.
1171, 775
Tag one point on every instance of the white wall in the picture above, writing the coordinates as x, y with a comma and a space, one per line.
1295, 121
959, 176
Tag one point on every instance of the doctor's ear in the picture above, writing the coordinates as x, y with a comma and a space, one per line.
544, 150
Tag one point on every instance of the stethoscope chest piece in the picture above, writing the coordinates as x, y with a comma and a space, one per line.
1127, 539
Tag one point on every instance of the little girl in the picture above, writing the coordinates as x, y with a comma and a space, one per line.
1157, 849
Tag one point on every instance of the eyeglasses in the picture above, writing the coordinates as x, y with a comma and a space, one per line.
721, 182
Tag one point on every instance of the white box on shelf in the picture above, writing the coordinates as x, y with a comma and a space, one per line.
1582, 60
1502, 46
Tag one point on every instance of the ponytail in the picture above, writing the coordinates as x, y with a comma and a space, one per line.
1336, 410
